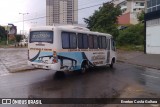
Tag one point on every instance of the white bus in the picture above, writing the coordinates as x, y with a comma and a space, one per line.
70, 48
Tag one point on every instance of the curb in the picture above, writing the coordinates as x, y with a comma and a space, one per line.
21, 69
147, 66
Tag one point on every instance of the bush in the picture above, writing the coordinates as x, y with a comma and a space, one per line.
3, 33
133, 35
18, 38
131, 48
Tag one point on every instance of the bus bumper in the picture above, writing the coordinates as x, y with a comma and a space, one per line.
55, 66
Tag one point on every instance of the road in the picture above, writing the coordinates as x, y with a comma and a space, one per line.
124, 81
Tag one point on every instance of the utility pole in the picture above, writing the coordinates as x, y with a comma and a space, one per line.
23, 19
7, 34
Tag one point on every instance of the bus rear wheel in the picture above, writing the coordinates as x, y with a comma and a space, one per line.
84, 67
112, 63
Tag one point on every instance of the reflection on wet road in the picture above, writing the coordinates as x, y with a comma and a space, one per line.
123, 81
151, 79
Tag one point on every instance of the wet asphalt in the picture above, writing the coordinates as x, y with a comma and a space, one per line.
123, 81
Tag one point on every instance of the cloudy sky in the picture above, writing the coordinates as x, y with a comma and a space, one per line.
10, 9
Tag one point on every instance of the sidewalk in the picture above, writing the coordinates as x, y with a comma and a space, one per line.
13, 60
139, 58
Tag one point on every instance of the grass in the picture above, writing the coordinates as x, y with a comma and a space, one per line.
3, 42
11, 44
131, 48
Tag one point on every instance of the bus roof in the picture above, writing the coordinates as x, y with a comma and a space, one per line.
81, 30
70, 28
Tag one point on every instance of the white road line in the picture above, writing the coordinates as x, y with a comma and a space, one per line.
152, 70
5, 74
150, 76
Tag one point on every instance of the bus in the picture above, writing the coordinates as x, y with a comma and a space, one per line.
69, 48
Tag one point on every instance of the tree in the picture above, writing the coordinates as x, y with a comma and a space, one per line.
104, 19
141, 17
3, 33
18, 38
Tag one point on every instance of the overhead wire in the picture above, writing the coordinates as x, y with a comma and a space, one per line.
89, 1
58, 13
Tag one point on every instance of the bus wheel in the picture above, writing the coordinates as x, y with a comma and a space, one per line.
112, 63
84, 67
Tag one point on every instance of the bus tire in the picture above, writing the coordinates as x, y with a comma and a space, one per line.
84, 67
112, 63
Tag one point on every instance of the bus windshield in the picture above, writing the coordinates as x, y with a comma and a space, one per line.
41, 36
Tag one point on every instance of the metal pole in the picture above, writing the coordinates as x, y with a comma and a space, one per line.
23, 24
23, 20
7, 34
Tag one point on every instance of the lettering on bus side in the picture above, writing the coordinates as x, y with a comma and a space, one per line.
98, 57
97, 63
41, 49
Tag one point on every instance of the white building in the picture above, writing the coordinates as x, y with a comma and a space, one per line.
130, 10
152, 23
61, 12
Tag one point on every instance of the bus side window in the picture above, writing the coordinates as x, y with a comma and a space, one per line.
108, 44
95, 42
73, 40
91, 41
82, 41
85, 41
69, 40
65, 40
102, 42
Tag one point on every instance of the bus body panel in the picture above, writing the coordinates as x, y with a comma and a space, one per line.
42, 55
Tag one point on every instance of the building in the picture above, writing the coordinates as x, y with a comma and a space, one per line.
61, 12
11, 31
152, 25
130, 10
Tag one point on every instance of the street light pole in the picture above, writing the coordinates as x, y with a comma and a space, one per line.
7, 34
23, 20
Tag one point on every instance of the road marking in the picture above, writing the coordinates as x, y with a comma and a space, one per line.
5, 74
153, 70
150, 76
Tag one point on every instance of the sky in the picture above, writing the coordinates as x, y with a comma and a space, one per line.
10, 9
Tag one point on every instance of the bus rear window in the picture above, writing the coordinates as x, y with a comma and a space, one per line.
41, 36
